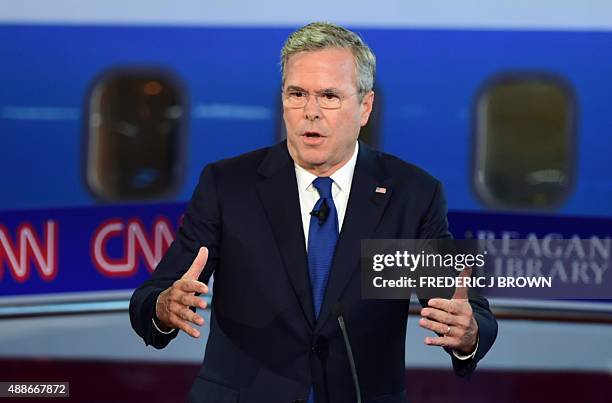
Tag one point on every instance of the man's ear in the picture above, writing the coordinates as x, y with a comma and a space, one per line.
366, 107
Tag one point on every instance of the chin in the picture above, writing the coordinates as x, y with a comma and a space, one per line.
313, 158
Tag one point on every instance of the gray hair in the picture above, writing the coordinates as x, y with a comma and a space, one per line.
322, 35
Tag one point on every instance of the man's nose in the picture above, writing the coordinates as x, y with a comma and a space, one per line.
312, 110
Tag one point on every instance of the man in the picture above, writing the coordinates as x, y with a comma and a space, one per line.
281, 228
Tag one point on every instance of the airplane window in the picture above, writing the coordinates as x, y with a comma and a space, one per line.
135, 133
525, 133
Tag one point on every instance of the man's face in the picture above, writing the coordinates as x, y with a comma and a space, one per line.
322, 140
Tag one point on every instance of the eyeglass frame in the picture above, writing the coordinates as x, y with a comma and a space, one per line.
317, 94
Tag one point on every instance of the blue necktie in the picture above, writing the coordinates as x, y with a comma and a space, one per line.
322, 240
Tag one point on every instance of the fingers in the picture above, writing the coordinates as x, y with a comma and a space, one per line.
192, 300
462, 292
191, 286
189, 330
440, 328
173, 307
185, 327
178, 304
450, 334
452, 306
454, 320
440, 316
173, 304
182, 318
194, 271
440, 303
187, 315
459, 338
450, 342
450, 318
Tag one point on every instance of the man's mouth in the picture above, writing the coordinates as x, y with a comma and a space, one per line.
312, 134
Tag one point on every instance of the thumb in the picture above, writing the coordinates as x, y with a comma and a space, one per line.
461, 292
194, 271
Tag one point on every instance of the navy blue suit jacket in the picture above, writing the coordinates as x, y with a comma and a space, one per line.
264, 344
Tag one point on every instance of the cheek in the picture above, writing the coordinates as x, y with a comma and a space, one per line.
291, 119
347, 126
286, 119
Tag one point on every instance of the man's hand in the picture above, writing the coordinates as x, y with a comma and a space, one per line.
453, 319
172, 308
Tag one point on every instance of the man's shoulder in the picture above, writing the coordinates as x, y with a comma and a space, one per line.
248, 168
402, 172
248, 161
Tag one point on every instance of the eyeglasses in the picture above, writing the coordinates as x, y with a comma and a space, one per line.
326, 99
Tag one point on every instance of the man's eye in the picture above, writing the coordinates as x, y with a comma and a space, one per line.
297, 94
330, 96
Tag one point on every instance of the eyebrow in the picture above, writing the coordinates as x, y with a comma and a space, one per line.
321, 91
295, 88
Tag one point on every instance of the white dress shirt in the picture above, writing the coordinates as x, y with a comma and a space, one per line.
341, 189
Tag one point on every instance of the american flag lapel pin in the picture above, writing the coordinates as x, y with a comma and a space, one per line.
380, 190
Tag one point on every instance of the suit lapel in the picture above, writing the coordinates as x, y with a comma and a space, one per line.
279, 196
364, 211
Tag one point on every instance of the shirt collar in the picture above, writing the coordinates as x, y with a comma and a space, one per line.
342, 177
